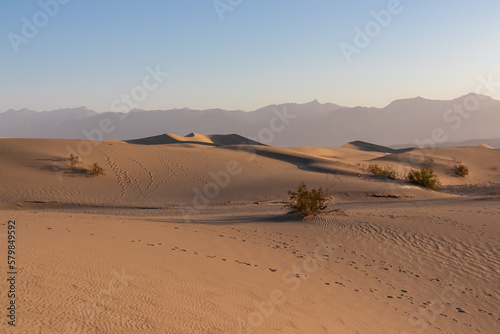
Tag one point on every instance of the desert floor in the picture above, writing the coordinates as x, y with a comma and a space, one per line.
138, 251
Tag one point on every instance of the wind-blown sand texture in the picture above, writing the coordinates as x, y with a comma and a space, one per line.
138, 250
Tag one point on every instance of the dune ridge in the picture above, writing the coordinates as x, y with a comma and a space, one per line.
194, 138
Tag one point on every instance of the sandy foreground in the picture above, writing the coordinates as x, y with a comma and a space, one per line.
137, 250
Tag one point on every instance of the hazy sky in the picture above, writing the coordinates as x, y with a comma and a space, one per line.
90, 52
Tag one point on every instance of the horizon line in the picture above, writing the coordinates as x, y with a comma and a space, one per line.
269, 105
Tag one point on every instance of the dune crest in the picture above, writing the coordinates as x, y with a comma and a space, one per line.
194, 138
486, 146
364, 146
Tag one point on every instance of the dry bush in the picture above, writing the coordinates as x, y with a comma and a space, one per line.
425, 178
428, 162
73, 160
388, 172
462, 170
305, 202
95, 170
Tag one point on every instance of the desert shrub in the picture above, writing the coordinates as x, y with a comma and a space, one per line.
306, 202
96, 170
462, 170
388, 172
375, 169
73, 160
425, 178
428, 162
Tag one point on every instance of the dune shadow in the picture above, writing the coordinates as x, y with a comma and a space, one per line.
66, 170
165, 140
270, 218
210, 140
369, 147
54, 159
302, 163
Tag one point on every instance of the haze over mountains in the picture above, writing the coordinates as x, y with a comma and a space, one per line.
472, 119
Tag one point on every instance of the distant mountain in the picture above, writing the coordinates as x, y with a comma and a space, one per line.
25, 123
413, 122
492, 142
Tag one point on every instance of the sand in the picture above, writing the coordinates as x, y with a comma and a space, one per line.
149, 248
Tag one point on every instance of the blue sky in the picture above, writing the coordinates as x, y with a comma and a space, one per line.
262, 52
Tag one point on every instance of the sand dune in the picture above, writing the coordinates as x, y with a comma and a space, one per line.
189, 235
195, 138
364, 146
159, 175
483, 163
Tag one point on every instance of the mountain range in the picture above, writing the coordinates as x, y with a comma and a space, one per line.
469, 119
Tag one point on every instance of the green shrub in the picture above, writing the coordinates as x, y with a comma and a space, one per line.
425, 178
305, 202
388, 172
462, 170
96, 170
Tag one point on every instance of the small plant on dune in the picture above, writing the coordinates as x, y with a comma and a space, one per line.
96, 170
388, 172
428, 162
462, 170
425, 178
375, 169
73, 160
306, 202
